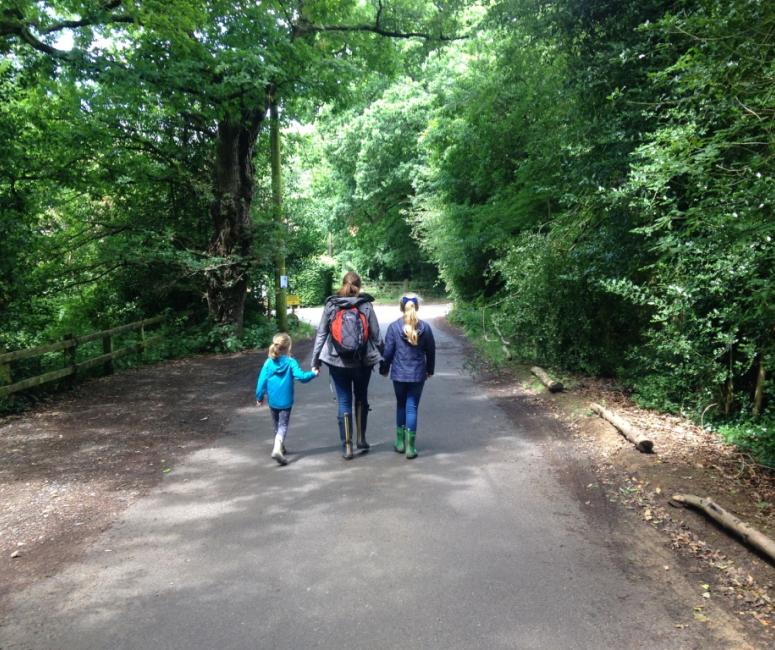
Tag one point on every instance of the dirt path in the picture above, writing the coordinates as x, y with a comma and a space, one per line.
627, 493
69, 469
511, 524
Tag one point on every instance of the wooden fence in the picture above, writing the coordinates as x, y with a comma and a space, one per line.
69, 347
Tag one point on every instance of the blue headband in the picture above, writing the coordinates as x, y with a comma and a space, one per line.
405, 300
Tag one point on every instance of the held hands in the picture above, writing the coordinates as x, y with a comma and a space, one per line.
259, 403
316, 371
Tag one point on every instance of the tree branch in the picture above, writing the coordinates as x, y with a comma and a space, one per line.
97, 18
77, 283
303, 27
86, 235
28, 37
301, 30
86, 22
14, 23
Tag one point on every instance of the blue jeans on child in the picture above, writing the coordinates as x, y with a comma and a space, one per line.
408, 394
351, 383
281, 417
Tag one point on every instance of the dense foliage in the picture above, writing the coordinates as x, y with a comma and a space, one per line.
136, 173
595, 179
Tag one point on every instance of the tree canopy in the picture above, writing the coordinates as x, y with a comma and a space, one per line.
596, 177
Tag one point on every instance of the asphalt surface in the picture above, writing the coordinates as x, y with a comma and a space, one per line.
474, 544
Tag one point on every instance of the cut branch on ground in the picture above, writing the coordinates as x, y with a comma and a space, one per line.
634, 435
553, 385
748, 534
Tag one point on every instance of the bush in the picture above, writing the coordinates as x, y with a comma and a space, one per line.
314, 280
480, 334
554, 308
755, 437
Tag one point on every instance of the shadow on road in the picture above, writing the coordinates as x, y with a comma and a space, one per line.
471, 545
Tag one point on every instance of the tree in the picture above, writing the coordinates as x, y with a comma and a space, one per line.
216, 61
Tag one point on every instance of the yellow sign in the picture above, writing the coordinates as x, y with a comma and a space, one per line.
292, 300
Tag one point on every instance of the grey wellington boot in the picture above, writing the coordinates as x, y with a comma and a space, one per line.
361, 415
348, 436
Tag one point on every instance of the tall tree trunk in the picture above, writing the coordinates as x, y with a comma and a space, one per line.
277, 211
233, 187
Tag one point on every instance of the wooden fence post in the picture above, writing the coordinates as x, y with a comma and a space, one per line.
5, 371
70, 358
107, 348
69, 347
758, 393
142, 341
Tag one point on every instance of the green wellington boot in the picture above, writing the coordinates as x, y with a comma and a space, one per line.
411, 452
348, 436
400, 445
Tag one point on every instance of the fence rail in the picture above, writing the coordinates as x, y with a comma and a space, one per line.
69, 346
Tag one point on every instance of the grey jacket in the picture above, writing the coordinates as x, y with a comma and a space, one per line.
324, 349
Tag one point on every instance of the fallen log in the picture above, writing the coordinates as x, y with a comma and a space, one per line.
546, 380
748, 534
635, 436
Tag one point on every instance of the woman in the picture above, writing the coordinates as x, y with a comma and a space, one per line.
349, 343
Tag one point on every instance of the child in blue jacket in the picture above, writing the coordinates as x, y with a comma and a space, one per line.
410, 356
276, 381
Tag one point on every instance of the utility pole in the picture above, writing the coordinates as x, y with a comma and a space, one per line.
281, 307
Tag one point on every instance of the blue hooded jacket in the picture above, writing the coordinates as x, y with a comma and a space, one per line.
276, 380
408, 362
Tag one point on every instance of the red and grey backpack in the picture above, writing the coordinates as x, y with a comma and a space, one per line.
350, 332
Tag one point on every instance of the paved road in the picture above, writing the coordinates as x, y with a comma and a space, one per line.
472, 545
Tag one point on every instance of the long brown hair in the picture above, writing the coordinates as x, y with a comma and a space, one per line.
351, 285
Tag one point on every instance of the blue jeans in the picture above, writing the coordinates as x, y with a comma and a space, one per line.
280, 418
352, 387
408, 394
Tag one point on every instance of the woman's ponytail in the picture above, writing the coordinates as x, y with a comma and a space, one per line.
409, 305
351, 285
